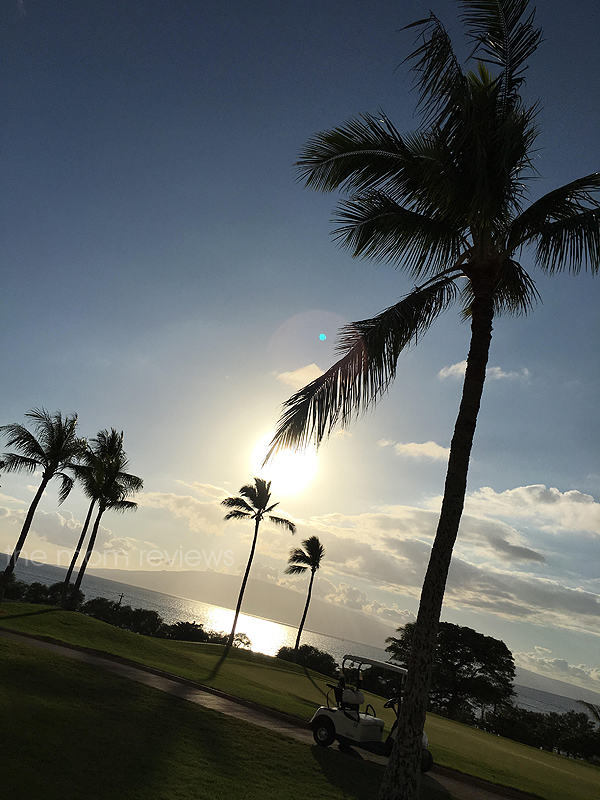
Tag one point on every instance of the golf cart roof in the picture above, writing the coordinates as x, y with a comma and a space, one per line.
371, 662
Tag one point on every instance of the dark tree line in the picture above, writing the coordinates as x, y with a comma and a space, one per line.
572, 733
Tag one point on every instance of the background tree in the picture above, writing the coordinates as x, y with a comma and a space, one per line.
470, 670
445, 204
104, 452
299, 561
104, 477
55, 448
252, 503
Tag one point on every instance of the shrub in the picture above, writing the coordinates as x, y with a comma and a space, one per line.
311, 658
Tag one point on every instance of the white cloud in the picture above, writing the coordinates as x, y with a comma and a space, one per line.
559, 669
455, 371
425, 450
201, 517
300, 377
552, 510
492, 373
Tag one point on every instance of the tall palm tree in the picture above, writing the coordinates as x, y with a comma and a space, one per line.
107, 483
105, 450
299, 561
445, 204
55, 448
253, 503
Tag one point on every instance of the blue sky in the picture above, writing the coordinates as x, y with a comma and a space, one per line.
164, 274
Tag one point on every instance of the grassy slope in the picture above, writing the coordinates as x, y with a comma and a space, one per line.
283, 686
70, 730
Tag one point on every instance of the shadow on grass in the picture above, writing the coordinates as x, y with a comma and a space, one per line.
314, 683
29, 613
342, 768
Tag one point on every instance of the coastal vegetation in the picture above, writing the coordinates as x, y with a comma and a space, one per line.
445, 204
99, 466
283, 686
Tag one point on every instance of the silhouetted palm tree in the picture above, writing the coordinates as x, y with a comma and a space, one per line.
106, 482
446, 204
253, 503
94, 472
299, 561
55, 449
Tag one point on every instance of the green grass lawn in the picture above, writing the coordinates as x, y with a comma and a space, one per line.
286, 687
69, 730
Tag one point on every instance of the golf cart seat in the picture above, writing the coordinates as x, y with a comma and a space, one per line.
352, 699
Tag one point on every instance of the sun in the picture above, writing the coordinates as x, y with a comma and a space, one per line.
289, 471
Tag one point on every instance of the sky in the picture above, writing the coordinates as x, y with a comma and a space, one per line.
164, 273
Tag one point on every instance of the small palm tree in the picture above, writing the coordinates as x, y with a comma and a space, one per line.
105, 449
54, 448
253, 503
299, 561
106, 482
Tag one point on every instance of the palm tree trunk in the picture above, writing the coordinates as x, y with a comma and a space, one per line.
10, 567
242, 590
302, 621
90, 547
401, 780
86, 525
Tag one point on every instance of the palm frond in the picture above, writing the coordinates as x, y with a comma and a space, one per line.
298, 556
560, 204
503, 36
121, 506
592, 708
66, 484
376, 226
563, 226
363, 153
295, 569
371, 350
237, 513
440, 81
18, 436
570, 245
13, 462
282, 522
239, 503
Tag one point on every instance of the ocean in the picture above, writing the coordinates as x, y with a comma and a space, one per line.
266, 636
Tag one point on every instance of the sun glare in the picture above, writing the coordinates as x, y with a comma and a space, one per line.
290, 471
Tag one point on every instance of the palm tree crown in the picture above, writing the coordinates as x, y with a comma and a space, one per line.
310, 558
446, 204
55, 448
106, 482
253, 503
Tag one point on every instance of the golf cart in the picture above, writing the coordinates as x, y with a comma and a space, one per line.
342, 719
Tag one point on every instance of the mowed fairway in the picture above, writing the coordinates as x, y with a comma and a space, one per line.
288, 688
70, 730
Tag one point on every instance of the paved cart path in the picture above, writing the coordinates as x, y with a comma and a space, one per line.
463, 787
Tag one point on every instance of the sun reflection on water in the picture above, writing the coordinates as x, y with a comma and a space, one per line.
266, 636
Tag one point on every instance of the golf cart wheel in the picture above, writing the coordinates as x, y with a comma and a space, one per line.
324, 731
426, 760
